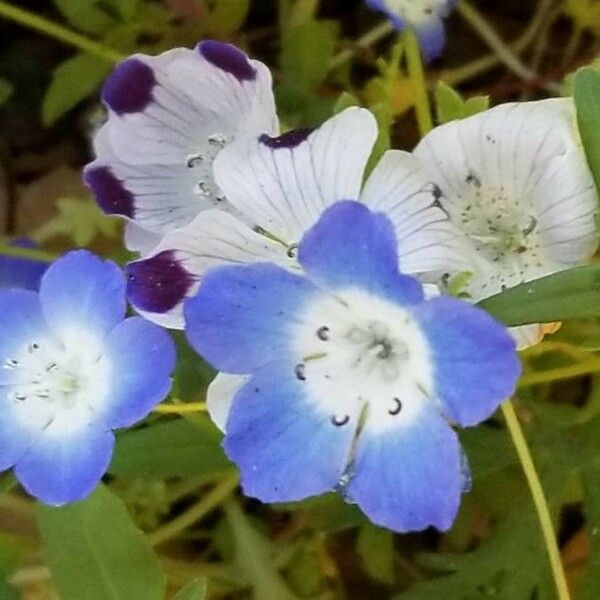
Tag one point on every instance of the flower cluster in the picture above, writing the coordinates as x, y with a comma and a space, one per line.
281, 261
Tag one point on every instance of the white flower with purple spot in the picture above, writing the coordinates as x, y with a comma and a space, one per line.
425, 17
352, 378
169, 116
280, 186
73, 369
516, 182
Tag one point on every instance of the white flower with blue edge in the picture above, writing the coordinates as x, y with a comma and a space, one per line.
73, 369
169, 116
425, 17
279, 187
515, 181
353, 377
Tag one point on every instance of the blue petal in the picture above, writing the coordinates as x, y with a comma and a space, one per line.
21, 323
142, 358
20, 425
432, 37
65, 466
381, 6
18, 272
410, 477
285, 447
476, 365
81, 291
350, 246
241, 317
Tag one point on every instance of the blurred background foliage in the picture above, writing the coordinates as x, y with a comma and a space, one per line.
169, 519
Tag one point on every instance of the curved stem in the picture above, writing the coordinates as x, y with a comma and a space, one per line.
58, 32
493, 40
539, 499
206, 504
363, 42
416, 73
587, 367
30, 253
180, 409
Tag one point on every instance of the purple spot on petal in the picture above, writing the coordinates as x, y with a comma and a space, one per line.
129, 88
228, 58
109, 192
157, 284
291, 139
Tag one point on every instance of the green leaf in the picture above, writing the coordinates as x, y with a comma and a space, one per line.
301, 11
590, 585
346, 100
193, 591
6, 90
72, 81
254, 557
95, 552
451, 105
170, 449
306, 53
572, 294
89, 16
227, 16
385, 120
375, 547
587, 103
79, 219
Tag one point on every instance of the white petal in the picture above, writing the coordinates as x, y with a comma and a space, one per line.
220, 394
160, 156
427, 241
138, 239
516, 170
284, 184
173, 270
527, 335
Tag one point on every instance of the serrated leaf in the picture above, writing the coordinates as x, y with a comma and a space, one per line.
571, 294
72, 81
375, 546
193, 591
170, 449
79, 219
587, 103
86, 15
6, 90
95, 552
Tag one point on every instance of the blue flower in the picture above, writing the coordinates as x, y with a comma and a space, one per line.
73, 369
352, 377
20, 272
425, 17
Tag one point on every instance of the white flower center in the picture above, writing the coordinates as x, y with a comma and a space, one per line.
58, 378
201, 164
363, 357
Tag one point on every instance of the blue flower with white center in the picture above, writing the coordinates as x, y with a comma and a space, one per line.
425, 17
73, 369
351, 377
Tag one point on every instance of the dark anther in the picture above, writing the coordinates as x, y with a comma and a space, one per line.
531, 227
20, 397
299, 370
33, 347
473, 179
191, 162
340, 422
291, 252
323, 333
397, 407
51, 367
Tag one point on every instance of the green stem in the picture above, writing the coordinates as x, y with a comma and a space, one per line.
7, 482
33, 21
30, 253
539, 499
368, 39
416, 73
588, 367
488, 34
208, 503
